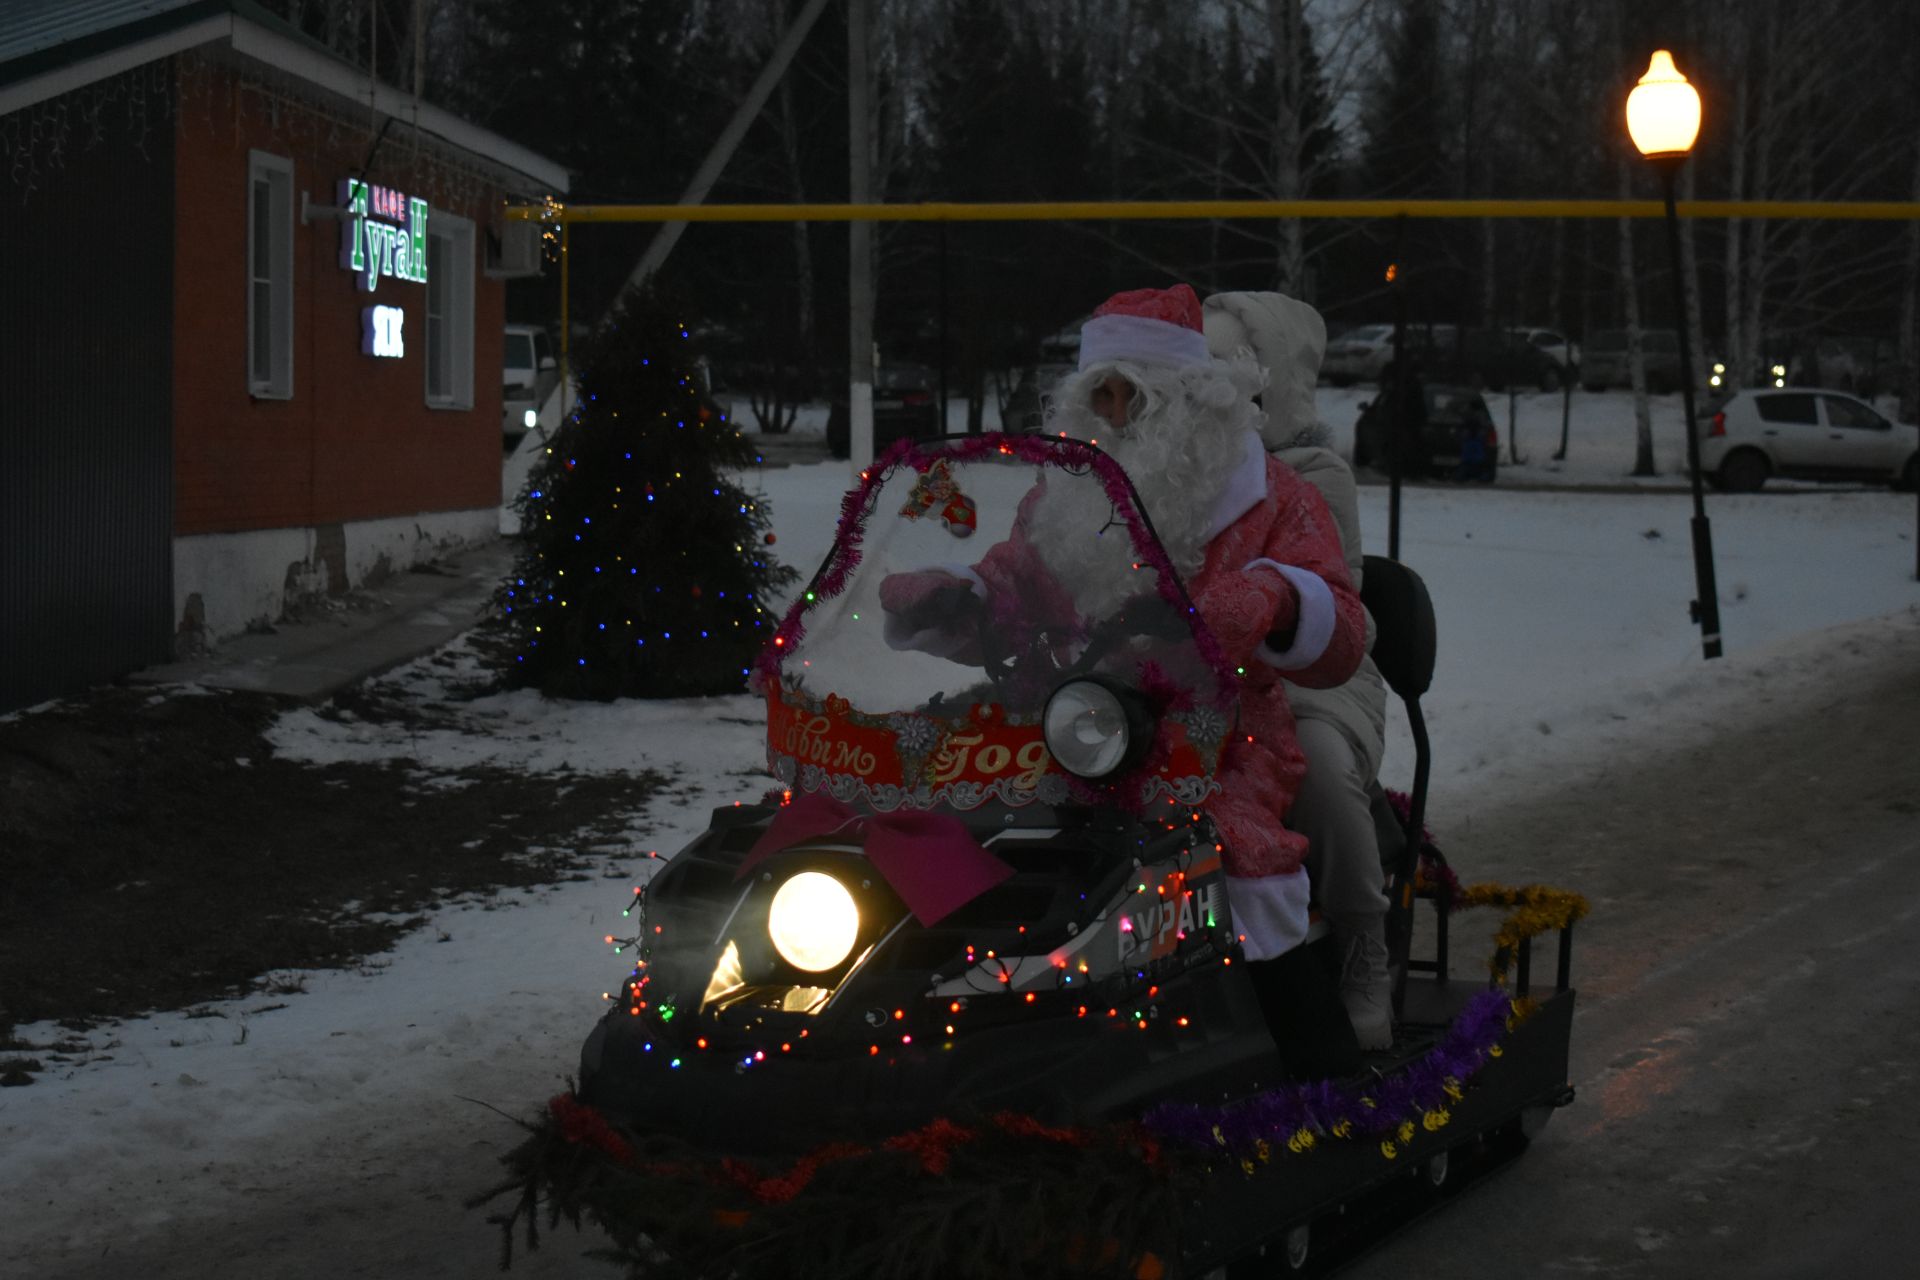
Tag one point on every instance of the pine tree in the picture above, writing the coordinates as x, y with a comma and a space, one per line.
645, 570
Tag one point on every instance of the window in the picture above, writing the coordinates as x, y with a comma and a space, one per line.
1842, 412
450, 257
269, 276
519, 352
1796, 408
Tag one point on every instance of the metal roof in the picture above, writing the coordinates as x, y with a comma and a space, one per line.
73, 29
48, 47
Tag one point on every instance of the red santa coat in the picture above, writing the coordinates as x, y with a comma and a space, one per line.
1275, 562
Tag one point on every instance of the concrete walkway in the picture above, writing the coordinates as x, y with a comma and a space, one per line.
376, 628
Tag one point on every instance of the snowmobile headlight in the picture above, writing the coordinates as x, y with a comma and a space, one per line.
813, 921
1094, 726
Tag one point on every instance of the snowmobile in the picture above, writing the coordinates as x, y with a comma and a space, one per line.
987, 885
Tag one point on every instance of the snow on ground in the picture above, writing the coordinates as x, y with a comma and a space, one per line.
1599, 427
1563, 636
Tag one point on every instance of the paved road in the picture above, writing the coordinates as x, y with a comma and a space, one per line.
1747, 1050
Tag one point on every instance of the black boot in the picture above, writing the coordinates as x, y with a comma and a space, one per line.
1305, 1017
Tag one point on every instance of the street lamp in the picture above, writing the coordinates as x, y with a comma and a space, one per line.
1663, 118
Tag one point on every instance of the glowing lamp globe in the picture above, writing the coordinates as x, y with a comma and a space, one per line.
813, 921
1663, 111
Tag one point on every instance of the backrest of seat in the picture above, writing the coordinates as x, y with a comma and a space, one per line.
1403, 646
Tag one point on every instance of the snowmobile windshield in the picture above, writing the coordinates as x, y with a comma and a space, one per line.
969, 583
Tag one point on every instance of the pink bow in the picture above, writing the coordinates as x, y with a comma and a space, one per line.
929, 859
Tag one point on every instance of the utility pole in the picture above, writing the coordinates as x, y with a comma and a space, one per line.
859, 244
729, 139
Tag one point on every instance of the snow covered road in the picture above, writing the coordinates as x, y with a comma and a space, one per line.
336, 1136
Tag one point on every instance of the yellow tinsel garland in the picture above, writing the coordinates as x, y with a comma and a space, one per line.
1533, 909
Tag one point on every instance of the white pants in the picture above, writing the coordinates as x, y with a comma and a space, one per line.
1333, 812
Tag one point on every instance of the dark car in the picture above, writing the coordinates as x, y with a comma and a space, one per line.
1604, 363
1496, 359
1457, 440
905, 407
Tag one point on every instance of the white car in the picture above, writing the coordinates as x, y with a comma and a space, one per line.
1804, 433
1358, 355
1556, 345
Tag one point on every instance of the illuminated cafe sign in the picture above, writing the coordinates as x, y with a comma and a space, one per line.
384, 234
380, 331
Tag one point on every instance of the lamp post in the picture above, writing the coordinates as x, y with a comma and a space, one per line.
1663, 119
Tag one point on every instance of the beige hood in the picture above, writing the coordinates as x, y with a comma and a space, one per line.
1287, 337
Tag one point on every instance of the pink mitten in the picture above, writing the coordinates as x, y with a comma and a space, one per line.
1286, 617
922, 598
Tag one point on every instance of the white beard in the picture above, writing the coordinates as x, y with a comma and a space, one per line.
1187, 440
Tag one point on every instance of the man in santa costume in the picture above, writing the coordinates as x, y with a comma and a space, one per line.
1262, 561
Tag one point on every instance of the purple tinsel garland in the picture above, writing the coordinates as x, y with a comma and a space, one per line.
859, 501
1326, 1109
1431, 858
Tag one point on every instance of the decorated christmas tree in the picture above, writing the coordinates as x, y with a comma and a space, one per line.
644, 568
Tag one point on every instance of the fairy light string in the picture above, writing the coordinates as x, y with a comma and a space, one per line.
645, 564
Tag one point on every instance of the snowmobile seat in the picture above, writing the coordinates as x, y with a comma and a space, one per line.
1404, 645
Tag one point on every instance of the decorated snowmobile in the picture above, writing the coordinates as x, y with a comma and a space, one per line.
962, 997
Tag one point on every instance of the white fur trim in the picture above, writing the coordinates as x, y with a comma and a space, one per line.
1313, 627
1269, 913
967, 571
1107, 339
1245, 489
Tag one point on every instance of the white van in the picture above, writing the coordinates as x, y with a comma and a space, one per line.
528, 375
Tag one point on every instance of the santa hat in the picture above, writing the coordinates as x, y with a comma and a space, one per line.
1146, 326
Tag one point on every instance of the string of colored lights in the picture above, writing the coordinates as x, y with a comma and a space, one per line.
981, 963
540, 587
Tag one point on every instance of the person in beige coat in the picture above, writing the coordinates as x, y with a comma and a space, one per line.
1340, 730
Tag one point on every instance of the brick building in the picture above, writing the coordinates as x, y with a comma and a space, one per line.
250, 329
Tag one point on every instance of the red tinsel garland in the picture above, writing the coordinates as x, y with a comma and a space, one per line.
584, 1126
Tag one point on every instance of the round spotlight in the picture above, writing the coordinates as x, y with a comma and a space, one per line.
1089, 728
813, 921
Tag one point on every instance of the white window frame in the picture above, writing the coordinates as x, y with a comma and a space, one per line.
453, 330
276, 173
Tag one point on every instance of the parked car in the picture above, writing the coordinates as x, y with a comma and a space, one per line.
528, 374
1456, 415
1718, 376
1562, 350
1803, 433
1055, 357
1604, 363
1358, 355
1363, 354
1495, 359
1026, 405
905, 406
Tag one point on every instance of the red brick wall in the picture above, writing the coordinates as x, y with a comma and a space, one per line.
357, 440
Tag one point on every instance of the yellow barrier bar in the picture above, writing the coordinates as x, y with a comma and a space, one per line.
1125, 210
